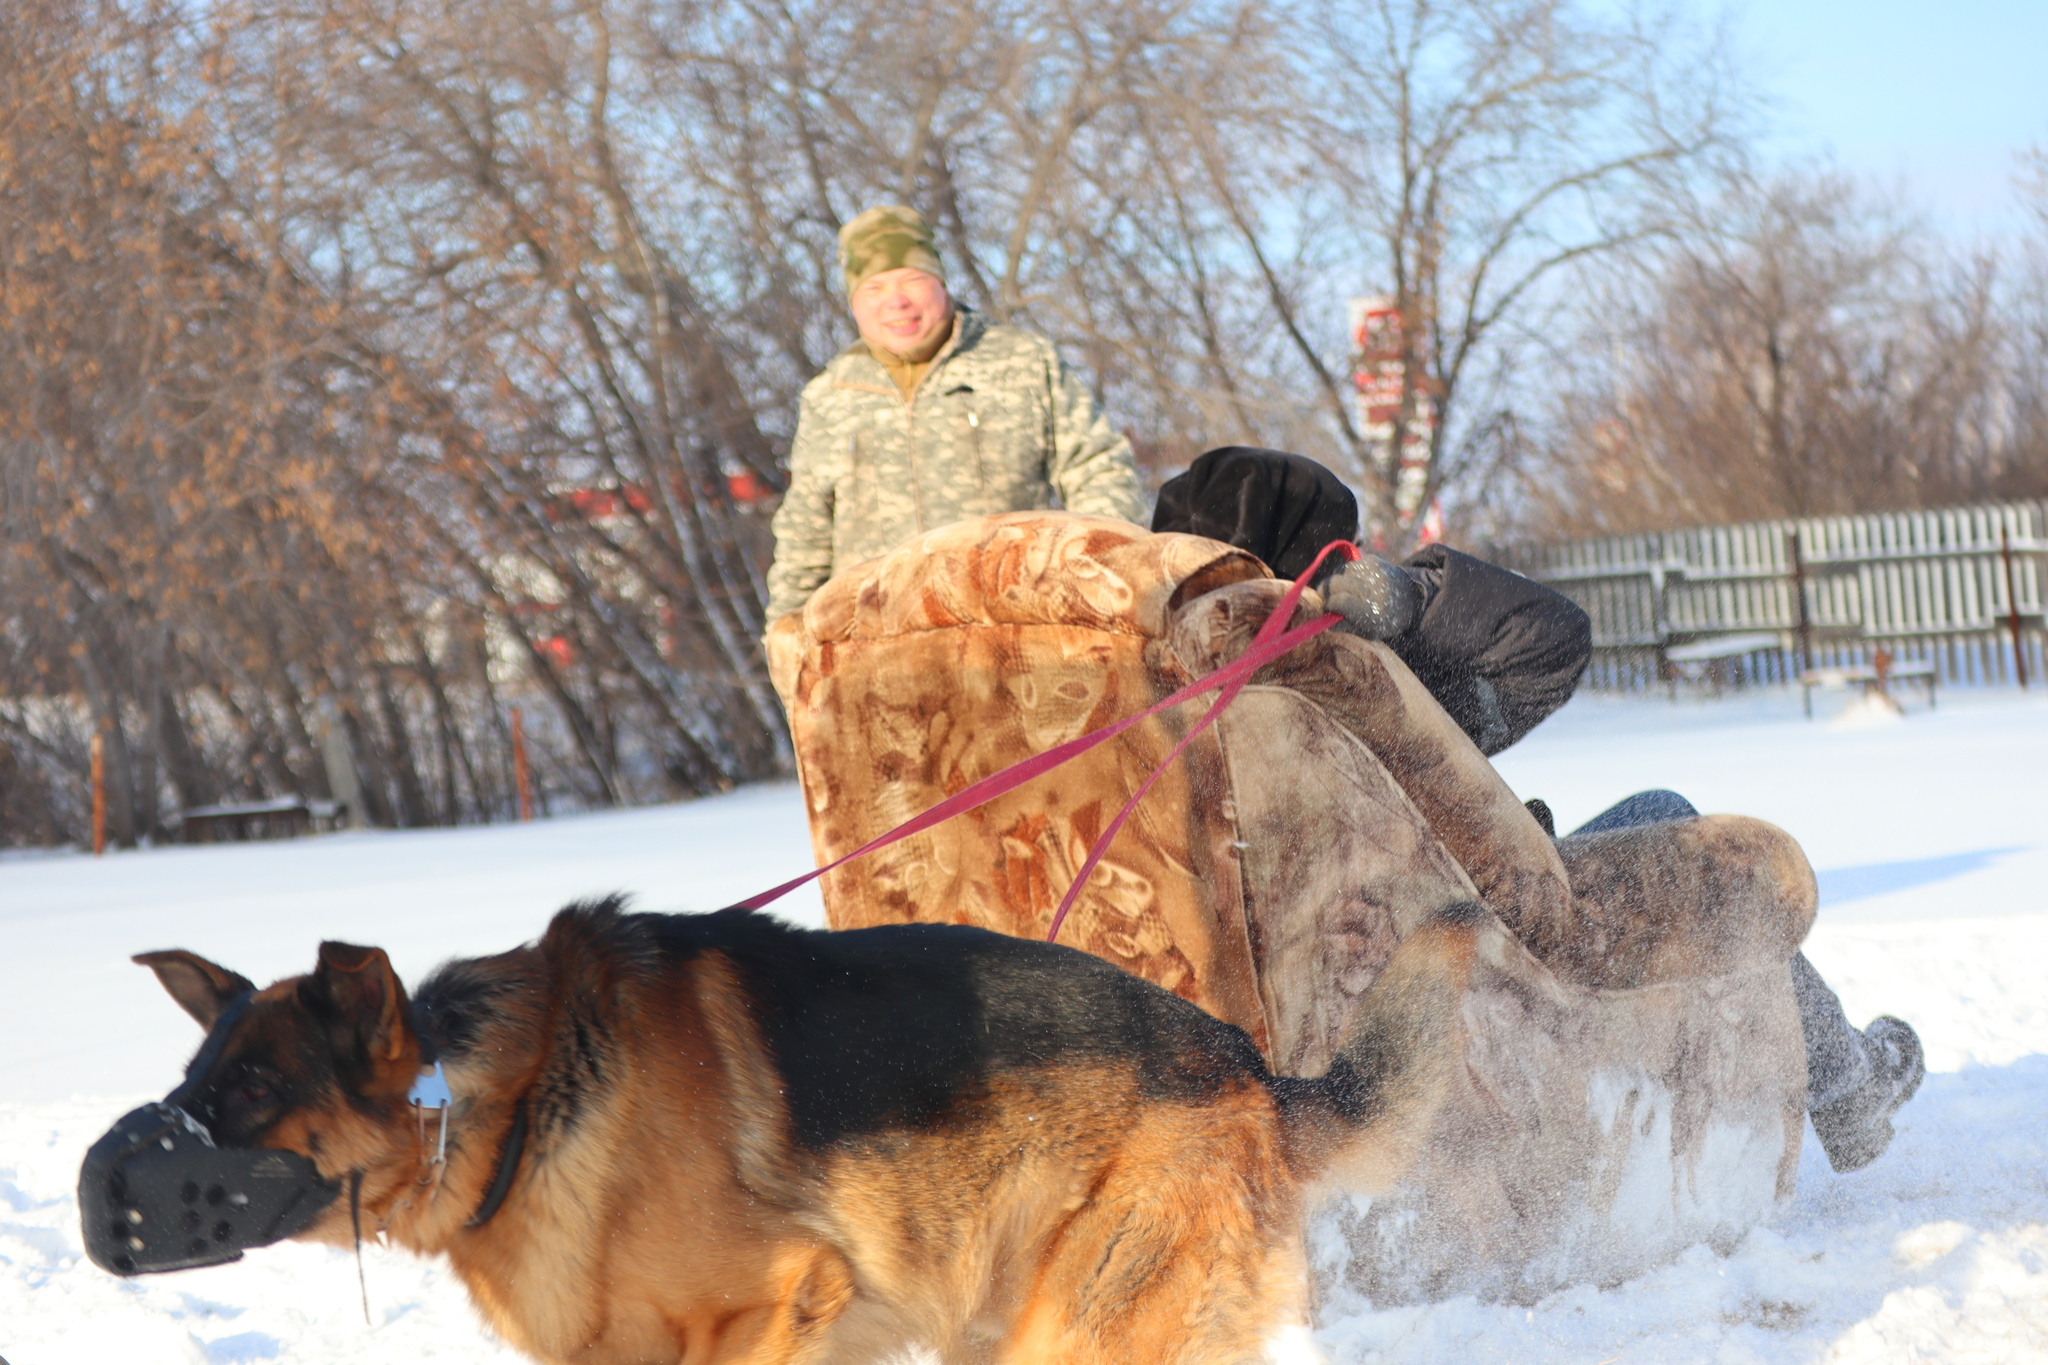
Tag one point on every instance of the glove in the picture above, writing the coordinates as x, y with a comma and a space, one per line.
1376, 599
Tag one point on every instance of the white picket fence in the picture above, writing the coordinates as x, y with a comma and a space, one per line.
1926, 586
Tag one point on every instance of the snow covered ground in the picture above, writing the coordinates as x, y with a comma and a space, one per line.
1931, 836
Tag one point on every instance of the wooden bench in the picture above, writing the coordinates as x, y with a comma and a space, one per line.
282, 817
1875, 678
1707, 661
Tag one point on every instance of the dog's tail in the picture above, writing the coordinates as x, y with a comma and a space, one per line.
1361, 1125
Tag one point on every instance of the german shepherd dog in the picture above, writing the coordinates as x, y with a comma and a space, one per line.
696, 1138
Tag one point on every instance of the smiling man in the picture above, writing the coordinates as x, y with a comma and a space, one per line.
936, 414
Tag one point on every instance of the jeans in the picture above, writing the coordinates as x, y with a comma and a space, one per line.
1836, 1062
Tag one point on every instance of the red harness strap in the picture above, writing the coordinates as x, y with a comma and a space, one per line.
1270, 643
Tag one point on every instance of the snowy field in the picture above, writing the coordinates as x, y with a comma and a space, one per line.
1930, 834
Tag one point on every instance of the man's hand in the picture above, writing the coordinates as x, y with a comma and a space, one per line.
1376, 599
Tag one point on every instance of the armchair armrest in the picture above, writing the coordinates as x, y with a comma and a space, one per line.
1677, 901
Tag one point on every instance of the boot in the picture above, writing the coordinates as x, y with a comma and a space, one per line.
1855, 1129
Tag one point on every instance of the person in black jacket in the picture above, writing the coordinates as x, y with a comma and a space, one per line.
1500, 652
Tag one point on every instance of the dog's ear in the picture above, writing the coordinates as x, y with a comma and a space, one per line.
201, 988
358, 985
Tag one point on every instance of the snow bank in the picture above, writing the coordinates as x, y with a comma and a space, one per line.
1931, 837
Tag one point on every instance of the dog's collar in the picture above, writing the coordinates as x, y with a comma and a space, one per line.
508, 1167
430, 1091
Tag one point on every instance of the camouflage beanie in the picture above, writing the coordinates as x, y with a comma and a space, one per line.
887, 238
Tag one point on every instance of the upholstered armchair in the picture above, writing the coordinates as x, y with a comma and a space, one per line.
1634, 1077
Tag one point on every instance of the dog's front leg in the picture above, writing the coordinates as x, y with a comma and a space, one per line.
808, 1291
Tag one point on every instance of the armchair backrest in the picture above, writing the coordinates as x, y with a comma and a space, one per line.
982, 643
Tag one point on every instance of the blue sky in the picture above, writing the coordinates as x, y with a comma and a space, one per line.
1933, 98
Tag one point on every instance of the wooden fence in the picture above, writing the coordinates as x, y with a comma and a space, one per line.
1935, 586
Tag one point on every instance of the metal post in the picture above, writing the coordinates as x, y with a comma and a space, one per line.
1798, 564
99, 795
521, 776
2012, 607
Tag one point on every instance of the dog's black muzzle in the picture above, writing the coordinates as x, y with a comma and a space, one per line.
156, 1194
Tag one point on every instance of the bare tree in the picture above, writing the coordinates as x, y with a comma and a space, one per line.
201, 564
1803, 349
1461, 159
386, 365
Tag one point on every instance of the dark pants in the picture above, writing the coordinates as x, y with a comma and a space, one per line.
1835, 1060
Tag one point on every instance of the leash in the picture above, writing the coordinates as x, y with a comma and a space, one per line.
1272, 641
1269, 636
355, 1222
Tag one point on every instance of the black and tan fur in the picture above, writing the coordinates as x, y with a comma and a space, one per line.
747, 1142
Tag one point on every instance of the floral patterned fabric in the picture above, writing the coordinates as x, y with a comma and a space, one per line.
981, 644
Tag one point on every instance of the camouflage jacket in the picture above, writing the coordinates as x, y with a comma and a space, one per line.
998, 424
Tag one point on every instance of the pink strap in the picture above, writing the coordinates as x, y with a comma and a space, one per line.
1267, 637
1269, 644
